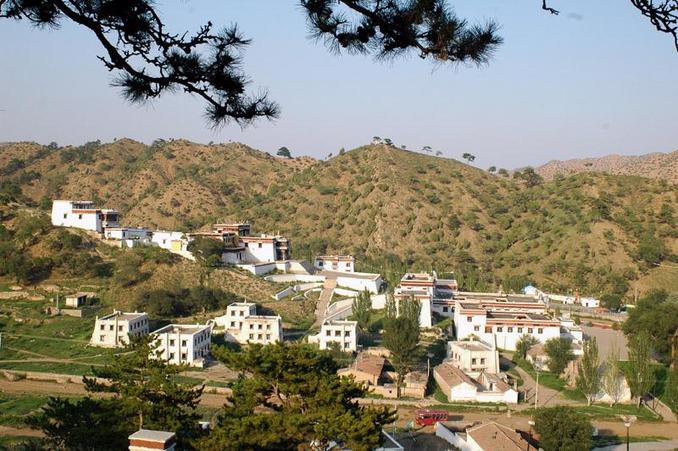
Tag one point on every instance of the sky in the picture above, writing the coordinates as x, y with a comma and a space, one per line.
595, 80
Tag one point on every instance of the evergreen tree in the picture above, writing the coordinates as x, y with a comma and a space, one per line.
640, 376
563, 429
401, 338
671, 390
588, 380
284, 152
292, 399
390, 307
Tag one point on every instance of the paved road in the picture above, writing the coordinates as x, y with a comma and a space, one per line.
324, 301
643, 446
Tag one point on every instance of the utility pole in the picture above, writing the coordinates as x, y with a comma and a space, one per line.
536, 393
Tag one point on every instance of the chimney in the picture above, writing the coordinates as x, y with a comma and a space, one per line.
148, 440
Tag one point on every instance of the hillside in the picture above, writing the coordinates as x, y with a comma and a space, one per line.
661, 166
394, 209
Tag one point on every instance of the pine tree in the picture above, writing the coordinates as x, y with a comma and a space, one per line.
293, 399
588, 380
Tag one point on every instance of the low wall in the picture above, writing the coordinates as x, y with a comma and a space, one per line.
296, 289
282, 278
258, 269
360, 283
78, 313
345, 292
452, 438
283, 294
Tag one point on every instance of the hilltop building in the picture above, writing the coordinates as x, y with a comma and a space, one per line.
242, 247
115, 329
184, 344
337, 263
343, 333
243, 325
171, 240
83, 214
129, 236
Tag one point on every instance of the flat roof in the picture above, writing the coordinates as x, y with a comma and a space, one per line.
241, 304
471, 345
152, 436
182, 329
123, 315
421, 277
340, 322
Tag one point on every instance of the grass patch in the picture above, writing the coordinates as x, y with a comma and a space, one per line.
612, 440
605, 412
75, 369
14, 409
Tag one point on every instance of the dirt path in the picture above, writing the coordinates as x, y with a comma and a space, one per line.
19, 432
324, 301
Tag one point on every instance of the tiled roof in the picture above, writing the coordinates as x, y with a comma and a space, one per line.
496, 437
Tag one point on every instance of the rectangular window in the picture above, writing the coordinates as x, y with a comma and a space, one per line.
337, 333
183, 356
482, 361
259, 336
110, 327
79, 216
347, 333
251, 326
328, 333
476, 328
183, 343
268, 336
119, 328
260, 326
530, 330
488, 329
444, 309
268, 327
171, 342
520, 330
469, 319
102, 327
510, 329
251, 336
65, 215
540, 330
232, 323
102, 337
500, 329
171, 356
473, 361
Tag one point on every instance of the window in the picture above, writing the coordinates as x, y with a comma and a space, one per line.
232, 323
260, 327
183, 343
328, 333
488, 329
347, 345
482, 361
540, 330
79, 216
102, 327
251, 326
520, 330
347, 333
171, 342
242, 313
337, 333
476, 328
473, 361
268, 327
102, 337
260, 245
444, 309
510, 329
259, 336
110, 327
119, 328
268, 336
469, 319
530, 330
171, 356
183, 356
65, 215
500, 329
251, 336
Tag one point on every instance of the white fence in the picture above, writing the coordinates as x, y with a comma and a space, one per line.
295, 289
283, 278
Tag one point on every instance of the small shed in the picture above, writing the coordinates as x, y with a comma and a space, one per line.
76, 300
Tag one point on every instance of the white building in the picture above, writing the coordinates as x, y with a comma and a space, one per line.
490, 436
486, 387
114, 330
182, 344
83, 215
473, 356
340, 263
432, 293
76, 300
343, 333
149, 440
240, 247
129, 236
589, 302
243, 325
172, 241
503, 322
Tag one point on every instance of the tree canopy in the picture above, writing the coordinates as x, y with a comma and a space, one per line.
563, 429
149, 60
656, 314
293, 397
559, 351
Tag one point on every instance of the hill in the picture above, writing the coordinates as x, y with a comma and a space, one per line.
395, 210
661, 166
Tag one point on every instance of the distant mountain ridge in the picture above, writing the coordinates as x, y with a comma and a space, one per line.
395, 210
658, 165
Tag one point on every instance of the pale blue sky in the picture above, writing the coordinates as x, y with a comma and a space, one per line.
593, 81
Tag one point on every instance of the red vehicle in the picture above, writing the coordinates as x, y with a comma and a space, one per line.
427, 417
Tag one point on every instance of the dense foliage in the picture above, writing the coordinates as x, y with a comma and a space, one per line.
563, 429
656, 314
303, 401
559, 352
170, 303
